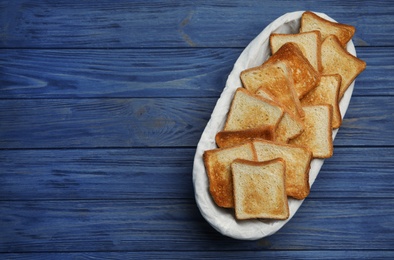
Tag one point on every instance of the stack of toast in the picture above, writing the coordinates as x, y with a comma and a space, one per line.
281, 118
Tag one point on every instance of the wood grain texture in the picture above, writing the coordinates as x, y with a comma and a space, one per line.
125, 24
71, 123
192, 72
154, 122
162, 225
231, 255
118, 73
166, 173
97, 174
372, 113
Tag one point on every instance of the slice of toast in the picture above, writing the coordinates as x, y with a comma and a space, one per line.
289, 126
304, 76
250, 111
260, 189
337, 60
218, 166
311, 21
267, 75
297, 161
282, 93
230, 138
327, 92
308, 42
317, 136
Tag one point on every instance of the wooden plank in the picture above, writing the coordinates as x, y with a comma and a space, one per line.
96, 174
154, 122
104, 24
119, 73
365, 122
230, 255
356, 172
190, 72
374, 80
117, 174
102, 122
176, 225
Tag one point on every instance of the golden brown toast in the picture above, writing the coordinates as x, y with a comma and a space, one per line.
308, 42
304, 76
317, 136
218, 166
267, 75
311, 21
297, 161
260, 189
327, 92
337, 60
251, 111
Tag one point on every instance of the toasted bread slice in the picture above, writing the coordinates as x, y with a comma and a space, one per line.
311, 21
297, 160
231, 138
317, 135
337, 60
250, 111
218, 166
308, 42
289, 126
327, 92
268, 75
304, 76
282, 93
260, 189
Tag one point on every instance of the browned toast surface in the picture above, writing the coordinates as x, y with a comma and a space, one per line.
218, 167
337, 60
251, 111
297, 160
317, 136
260, 189
304, 76
311, 21
308, 42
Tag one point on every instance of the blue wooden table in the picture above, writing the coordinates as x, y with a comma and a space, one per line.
102, 104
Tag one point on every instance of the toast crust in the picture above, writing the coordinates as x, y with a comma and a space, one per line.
231, 138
